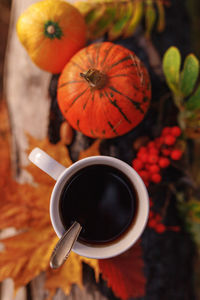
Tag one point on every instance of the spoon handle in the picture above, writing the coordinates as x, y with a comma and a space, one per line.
64, 246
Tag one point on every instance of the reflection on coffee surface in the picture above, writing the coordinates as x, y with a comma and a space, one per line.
102, 200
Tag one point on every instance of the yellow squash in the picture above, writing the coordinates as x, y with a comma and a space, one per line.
51, 31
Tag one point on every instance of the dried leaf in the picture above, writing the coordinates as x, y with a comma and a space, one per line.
150, 17
119, 17
26, 207
135, 20
124, 273
26, 254
161, 16
92, 150
70, 273
124, 15
66, 133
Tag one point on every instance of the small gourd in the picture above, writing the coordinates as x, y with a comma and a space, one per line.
104, 91
51, 31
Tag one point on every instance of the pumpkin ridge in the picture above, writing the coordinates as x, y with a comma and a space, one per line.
76, 65
119, 75
92, 133
77, 97
77, 123
112, 127
98, 52
119, 62
90, 60
114, 103
69, 82
106, 54
106, 103
86, 102
123, 75
135, 103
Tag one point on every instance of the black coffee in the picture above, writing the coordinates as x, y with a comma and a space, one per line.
102, 200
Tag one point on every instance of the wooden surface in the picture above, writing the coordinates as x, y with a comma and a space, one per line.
168, 259
26, 91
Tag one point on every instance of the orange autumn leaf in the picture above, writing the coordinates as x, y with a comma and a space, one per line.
71, 271
26, 207
26, 254
125, 274
93, 150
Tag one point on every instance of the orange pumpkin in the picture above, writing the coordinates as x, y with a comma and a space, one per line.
104, 91
51, 32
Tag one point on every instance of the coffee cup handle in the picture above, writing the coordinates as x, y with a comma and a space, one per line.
46, 163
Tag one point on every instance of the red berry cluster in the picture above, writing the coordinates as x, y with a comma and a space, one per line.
155, 222
157, 155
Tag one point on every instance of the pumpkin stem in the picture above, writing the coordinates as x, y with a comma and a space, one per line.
51, 29
95, 78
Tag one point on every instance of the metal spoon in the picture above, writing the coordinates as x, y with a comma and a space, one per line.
64, 246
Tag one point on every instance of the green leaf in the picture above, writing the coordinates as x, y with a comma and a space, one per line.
128, 14
189, 75
161, 16
125, 14
194, 100
94, 15
150, 17
171, 68
135, 20
103, 24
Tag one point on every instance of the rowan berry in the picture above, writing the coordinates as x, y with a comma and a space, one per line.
151, 144
147, 166
176, 131
143, 157
152, 158
176, 154
158, 218
156, 177
169, 140
137, 164
164, 162
153, 150
152, 223
166, 131
154, 168
144, 175
142, 150
159, 141
160, 228
166, 151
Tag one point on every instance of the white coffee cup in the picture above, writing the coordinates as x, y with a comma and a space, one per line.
62, 175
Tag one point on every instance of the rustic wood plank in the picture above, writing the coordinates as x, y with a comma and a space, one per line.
7, 287
26, 92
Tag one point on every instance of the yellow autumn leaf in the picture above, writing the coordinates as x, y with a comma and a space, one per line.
26, 207
120, 17
70, 273
93, 150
